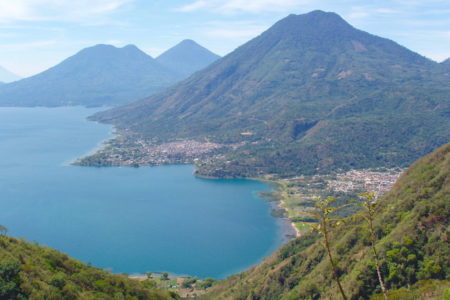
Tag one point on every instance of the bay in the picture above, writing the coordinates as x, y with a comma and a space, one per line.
129, 220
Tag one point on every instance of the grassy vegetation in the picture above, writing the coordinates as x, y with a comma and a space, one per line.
422, 290
297, 196
303, 226
29, 271
186, 287
291, 203
410, 226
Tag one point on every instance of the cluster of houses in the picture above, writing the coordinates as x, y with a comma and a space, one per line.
364, 180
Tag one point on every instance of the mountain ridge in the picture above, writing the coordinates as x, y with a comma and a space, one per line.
7, 76
446, 64
299, 80
100, 75
186, 58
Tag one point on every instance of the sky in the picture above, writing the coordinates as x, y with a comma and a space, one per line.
37, 34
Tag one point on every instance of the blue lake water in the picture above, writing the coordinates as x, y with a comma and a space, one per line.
131, 220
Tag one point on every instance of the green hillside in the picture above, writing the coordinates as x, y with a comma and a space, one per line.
29, 271
310, 94
411, 226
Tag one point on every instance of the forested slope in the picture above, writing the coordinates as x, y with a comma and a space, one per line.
30, 271
412, 236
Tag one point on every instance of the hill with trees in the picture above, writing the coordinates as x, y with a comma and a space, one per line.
410, 235
30, 271
311, 94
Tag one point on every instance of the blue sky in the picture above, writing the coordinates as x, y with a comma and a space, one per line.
37, 34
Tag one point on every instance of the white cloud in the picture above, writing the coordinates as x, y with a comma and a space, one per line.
56, 10
26, 45
235, 30
197, 5
422, 3
232, 6
10, 10
387, 11
423, 35
8, 35
357, 15
232, 33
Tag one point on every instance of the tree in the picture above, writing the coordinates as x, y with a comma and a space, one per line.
369, 205
165, 276
9, 280
323, 213
207, 283
188, 282
149, 275
3, 230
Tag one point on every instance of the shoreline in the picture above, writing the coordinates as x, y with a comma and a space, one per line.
280, 203
289, 230
291, 223
94, 150
112, 134
139, 276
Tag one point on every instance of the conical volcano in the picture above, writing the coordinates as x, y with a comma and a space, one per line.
98, 75
312, 93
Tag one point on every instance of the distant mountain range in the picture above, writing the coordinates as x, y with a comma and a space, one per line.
446, 63
311, 94
7, 76
104, 75
186, 58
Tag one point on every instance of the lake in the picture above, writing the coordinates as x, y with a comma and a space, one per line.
129, 220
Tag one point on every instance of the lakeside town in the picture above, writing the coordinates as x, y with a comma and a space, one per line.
297, 194
141, 152
353, 181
